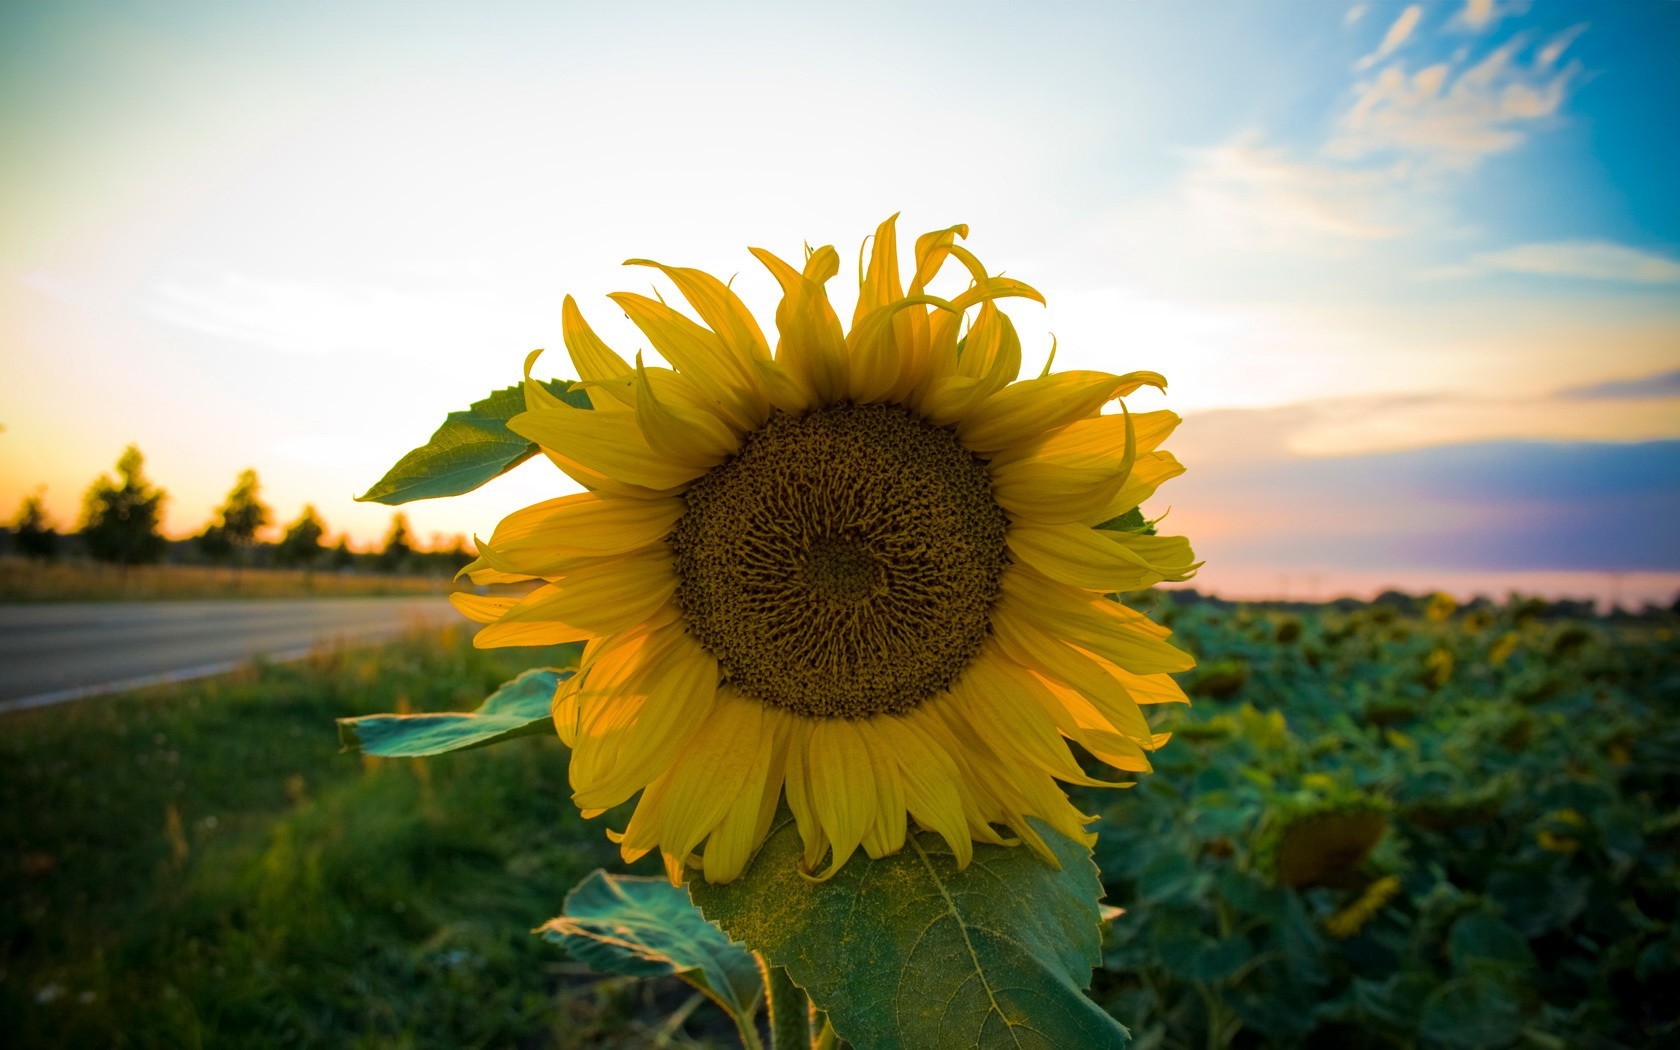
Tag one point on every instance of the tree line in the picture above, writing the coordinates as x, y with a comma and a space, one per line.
122, 516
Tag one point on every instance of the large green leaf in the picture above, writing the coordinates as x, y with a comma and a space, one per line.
471, 448
909, 952
647, 928
518, 708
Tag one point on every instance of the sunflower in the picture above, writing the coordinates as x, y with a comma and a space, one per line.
866, 571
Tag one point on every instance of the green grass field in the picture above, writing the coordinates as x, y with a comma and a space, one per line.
201, 866
1393, 825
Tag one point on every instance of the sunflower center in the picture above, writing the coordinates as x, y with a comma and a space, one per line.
844, 563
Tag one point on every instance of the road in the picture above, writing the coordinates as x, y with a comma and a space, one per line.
53, 652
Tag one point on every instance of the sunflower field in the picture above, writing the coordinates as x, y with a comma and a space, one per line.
1404, 824
1378, 825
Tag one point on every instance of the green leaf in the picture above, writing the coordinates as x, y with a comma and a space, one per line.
471, 448
648, 928
909, 952
518, 708
1131, 521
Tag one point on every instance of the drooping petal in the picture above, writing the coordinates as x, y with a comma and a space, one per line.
810, 345
595, 361
1099, 560
544, 538
607, 444
598, 597
730, 382
727, 757
1026, 410
687, 434
1097, 628
929, 778
720, 308
842, 787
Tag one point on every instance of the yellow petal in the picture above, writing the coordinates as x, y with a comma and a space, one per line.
1096, 681
744, 826
594, 360
1026, 410
720, 308
1098, 630
997, 701
929, 780
480, 607
883, 360
842, 787
549, 536
879, 285
608, 444
1098, 437
810, 345
598, 597
799, 794
1100, 560
730, 382
725, 761
885, 834
690, 435
1148, 474
681, 696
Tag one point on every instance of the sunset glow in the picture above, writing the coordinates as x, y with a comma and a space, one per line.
1362, 241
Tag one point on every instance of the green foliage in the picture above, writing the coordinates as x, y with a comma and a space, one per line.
33, 534
301, 544
645, 927
910, 952
1412, 825
1131, 521
120, 517
244, 512
301, 897
471, 448
517, 708
398, 547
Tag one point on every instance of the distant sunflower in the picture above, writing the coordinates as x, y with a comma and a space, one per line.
866, 569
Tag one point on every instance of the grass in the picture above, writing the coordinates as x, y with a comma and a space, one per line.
29, 580
200, 866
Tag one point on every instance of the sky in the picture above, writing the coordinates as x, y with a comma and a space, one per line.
1412, 270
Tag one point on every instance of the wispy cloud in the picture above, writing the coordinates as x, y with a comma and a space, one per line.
1479, 15
1662, 385
1354, 14
1263, 195
1398, 33
1581, 259
1453, 116
315, 319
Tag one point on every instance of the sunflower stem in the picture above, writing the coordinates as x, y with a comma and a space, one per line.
790, 1009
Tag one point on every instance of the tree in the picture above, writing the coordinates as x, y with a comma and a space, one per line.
301, 545
240, 518
120, 518
342, 556
34, 535
398, 546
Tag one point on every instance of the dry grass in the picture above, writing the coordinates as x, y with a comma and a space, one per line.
25, 580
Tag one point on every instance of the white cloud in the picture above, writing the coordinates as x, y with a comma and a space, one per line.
1478, 15
1397, 35
1262, 197
1354, 14
1452, 118
1588, 260
1548, 55
316, 319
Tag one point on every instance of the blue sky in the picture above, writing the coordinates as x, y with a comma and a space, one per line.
291, 236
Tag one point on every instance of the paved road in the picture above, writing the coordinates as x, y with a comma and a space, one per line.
53, 652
